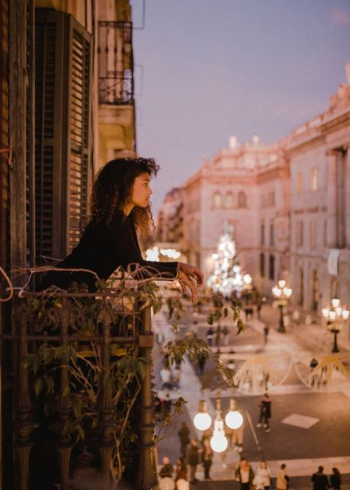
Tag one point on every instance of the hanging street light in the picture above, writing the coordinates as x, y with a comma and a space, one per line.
233, 418
335, 317
282, 295
202, 421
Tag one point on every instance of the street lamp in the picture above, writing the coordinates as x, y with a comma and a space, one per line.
335, 316
202, 421
282, 295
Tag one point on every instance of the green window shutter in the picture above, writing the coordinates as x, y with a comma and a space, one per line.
63, 132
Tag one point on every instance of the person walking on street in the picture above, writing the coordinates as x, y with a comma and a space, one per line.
193, 459
167, 469
265, 413
181, 468
335, 479
207, 458
184, 436
218, 336
225, 333
266, 333
166, 483
320, 480
210, 335
245, 474
202, 359
264, 474
283, 479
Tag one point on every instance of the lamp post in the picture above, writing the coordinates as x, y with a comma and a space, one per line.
335, 317
233, 420
282, 295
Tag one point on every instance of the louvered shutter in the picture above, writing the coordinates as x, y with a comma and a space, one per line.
79, 134
63, 132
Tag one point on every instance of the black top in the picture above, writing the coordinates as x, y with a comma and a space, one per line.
102, 250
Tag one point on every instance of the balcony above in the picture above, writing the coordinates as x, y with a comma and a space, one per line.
115, 63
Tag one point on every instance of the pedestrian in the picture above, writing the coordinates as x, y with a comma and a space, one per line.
335, 479
283, 479
167, 469
266, 333
244, 474
238, 438
202, 359
264, 474
207, 459
184, 436
165, 377
120, 205
193, 459
181, 469
166, 483
225, 333
265, 413
176, 376
210, 335
320, 480
218, 336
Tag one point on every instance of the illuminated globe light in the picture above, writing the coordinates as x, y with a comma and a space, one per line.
219, 441
202, 420
233, 419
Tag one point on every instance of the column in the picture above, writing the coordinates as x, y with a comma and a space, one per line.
347, 198
331, 199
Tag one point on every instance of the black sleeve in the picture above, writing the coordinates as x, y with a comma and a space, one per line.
126, 245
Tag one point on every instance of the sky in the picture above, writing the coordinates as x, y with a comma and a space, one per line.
209, 69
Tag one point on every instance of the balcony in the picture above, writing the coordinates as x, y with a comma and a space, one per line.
82, 365
115, 63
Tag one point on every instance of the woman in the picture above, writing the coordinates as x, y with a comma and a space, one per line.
244, 474
207, 458
335, 479
181, 475
264, 475
120, 206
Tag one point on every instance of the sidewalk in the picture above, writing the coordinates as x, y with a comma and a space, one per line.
314, 337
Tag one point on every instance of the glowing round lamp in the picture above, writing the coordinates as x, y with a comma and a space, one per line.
202, 420
234, 420
219, 443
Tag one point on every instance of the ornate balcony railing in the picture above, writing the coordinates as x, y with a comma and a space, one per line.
115, 63
82, 362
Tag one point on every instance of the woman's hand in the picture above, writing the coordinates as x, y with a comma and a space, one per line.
190, 277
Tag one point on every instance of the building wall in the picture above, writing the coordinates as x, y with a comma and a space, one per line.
320, 206
225, 190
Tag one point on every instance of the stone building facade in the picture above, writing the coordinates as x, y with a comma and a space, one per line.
223, 190
320, 206
289, 204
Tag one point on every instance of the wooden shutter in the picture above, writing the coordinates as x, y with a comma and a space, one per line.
79, 134
4, 135
63, 132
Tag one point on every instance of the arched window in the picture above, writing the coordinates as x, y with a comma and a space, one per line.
242, 199
229, 200
217, 200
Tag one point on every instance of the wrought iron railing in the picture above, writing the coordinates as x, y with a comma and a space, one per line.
75, 351
115, 63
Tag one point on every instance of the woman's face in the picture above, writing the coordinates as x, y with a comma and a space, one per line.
141, 191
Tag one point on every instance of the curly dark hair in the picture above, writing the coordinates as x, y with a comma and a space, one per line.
112, 189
